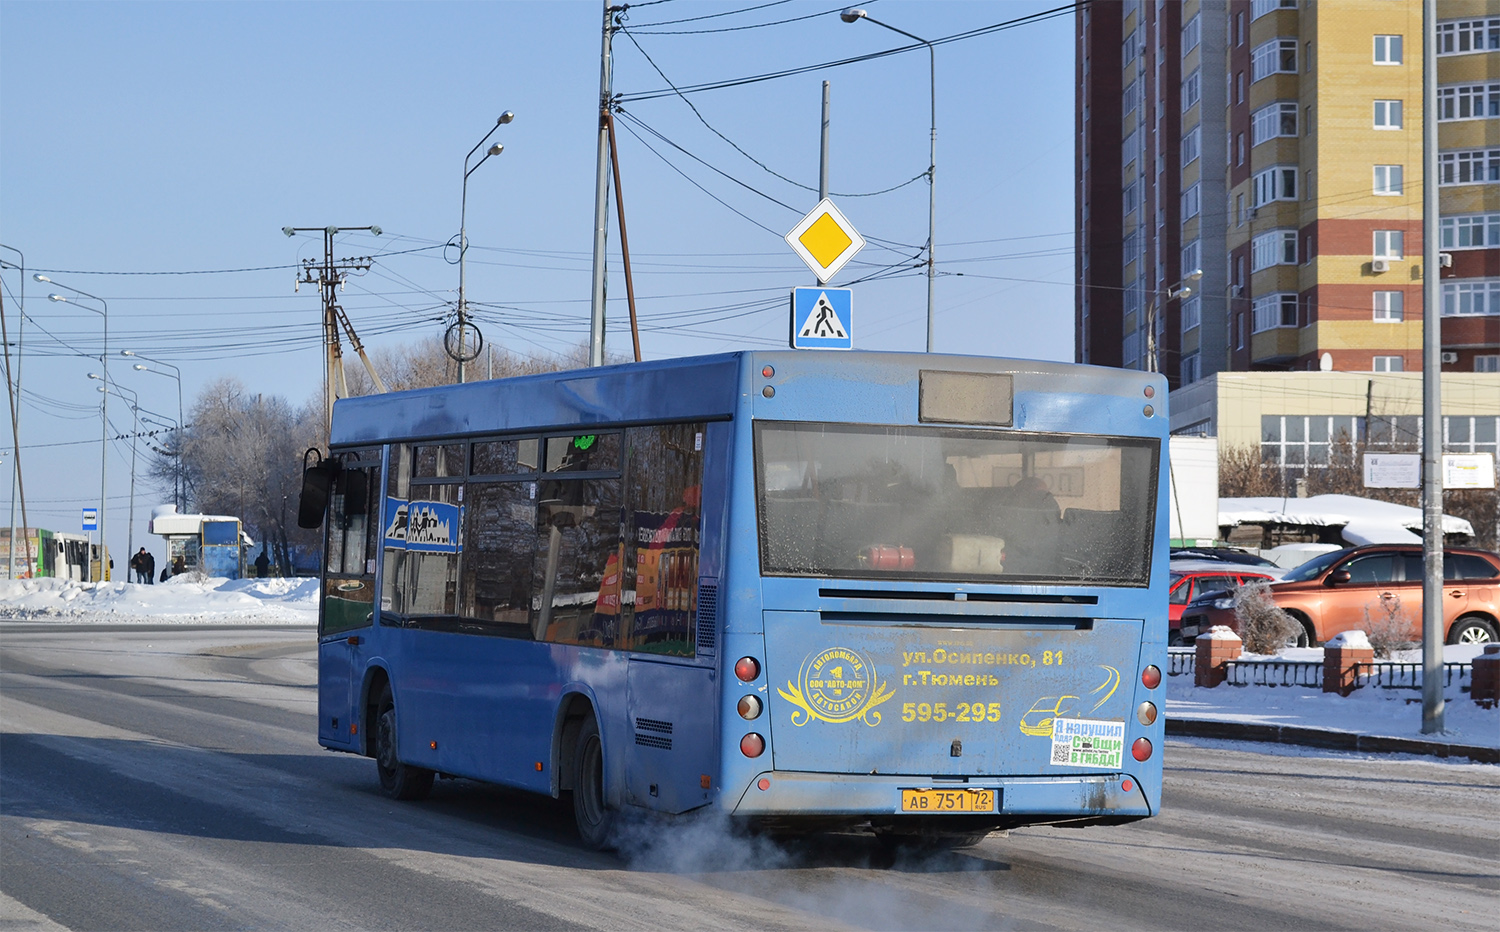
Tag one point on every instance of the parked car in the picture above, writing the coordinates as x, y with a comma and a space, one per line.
1221, 554
1191, 579
1356, 587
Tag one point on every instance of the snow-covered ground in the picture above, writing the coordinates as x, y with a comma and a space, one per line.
1393, 713
185, 599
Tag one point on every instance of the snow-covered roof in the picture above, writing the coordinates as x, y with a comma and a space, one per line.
1361, 520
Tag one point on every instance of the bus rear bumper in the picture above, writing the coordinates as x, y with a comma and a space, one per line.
1110, 797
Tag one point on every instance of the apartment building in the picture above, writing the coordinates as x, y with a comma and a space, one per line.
1276, 145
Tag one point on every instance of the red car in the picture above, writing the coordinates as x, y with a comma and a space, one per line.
1346, 589
1192, 578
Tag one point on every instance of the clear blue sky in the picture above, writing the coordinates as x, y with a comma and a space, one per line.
181, 137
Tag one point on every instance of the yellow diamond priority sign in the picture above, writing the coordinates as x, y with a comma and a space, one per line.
825, 240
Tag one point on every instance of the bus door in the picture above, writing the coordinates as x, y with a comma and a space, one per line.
348, 596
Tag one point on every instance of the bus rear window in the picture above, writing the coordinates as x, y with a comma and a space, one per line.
839, 500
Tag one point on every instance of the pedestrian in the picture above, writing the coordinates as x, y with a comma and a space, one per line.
179, 565
150, 568
138, 566
263, 564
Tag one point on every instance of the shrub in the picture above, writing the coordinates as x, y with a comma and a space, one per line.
1388, 625
1264, 627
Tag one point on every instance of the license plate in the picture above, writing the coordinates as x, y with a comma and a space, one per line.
947, 800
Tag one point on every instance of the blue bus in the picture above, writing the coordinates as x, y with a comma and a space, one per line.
916, 595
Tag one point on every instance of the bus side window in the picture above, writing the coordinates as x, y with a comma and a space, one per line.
499, 546
664, 472
393, 535
576, 579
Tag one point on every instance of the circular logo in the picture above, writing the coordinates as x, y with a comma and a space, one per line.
838, 683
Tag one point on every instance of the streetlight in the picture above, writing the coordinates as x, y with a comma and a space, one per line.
103, 411
179, 489
1180, 290
463, 237
135, 409
854, 14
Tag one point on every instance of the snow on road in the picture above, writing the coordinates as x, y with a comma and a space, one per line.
185, 599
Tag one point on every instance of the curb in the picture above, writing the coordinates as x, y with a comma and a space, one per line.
1325, 738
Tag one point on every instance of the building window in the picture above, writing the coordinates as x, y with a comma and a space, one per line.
1191, 144
1192, 313
1240, 344
1274, 184
1191, 257
1387, 114
1130, 150
1468, 35
1279, 119
1469, 166
1190, 203
1132, 197
1468, 101
1279, 56
1279, 247
1388, 245
1388, 179
1239, 208
1239, 148
1130, 48
1487, 363
1192, 89
1387, 364
1274, 311
1389, 306
1131, 251
1239, 87
1131, 98
1192, 33
1471, 297
1299, 441
1387, 50
1189, 369
1470, 231
1259, 8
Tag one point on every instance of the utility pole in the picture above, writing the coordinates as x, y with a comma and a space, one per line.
601, 192
328, 277
1432, 408
12, 388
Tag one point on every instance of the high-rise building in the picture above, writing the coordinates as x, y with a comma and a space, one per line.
1278, 226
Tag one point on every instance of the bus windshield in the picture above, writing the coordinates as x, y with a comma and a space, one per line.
950, 503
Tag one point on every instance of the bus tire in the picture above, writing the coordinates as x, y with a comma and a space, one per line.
397, 780
595, 818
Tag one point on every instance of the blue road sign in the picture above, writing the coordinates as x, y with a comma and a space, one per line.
91, 519
822, 318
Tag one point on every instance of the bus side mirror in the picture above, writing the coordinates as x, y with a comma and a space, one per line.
317, 482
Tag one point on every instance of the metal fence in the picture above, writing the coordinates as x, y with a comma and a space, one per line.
1275, 673
1391, 674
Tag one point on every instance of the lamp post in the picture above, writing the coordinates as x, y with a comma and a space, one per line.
854, 14
103, 411
134, 401
1180, 290
179, 489
463, 236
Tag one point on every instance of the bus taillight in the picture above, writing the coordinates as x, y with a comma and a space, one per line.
1151, 676
749, 707
753, 745
1145, 713
747, 668
1141, 750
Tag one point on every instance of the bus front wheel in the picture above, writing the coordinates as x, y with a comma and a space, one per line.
397, 780
596, 820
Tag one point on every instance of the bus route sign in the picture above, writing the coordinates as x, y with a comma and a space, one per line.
91, 519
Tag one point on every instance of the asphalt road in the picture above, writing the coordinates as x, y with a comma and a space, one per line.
169, 778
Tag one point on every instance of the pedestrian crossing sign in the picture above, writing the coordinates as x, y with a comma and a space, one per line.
822, 318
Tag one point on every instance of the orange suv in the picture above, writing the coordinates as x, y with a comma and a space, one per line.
1355, 588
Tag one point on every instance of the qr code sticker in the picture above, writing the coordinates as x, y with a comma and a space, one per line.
1060, 752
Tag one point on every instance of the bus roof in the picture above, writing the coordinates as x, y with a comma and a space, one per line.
680, 389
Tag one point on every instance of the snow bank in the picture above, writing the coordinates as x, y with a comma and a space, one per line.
181, 599
1355, 639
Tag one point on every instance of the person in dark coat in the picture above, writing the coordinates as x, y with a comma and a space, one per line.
150, 568
138, 566
262, 564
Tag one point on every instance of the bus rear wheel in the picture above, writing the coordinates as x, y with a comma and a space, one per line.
397, 780
595, 818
